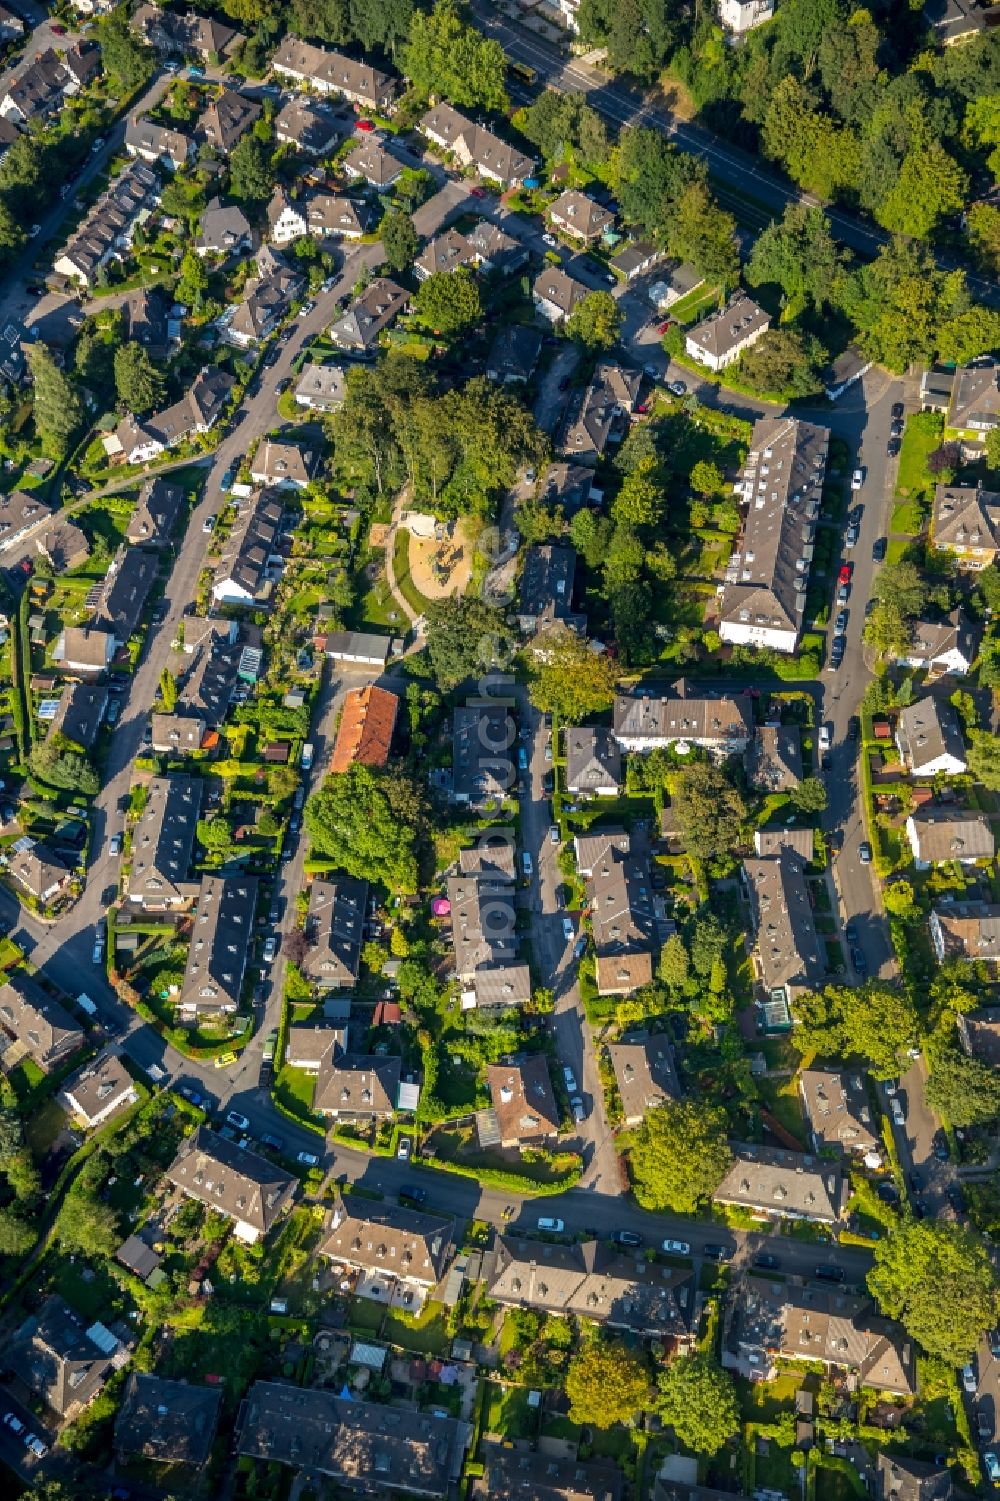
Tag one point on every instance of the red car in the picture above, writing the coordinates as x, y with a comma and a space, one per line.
59, 30
845, 573
661, 328
477, 192
643, 408
364, 125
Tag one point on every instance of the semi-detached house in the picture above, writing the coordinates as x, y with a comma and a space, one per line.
720, 339
241, 574
238, 1184
162, 844
645, 720
473, 145
331, 72
221, 935
109, 227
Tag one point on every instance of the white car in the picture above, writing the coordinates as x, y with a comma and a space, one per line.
526, 865
308, 1159
570, 1078
579, 1114
98, 955
270, 949
824, 737
568, 928
550, 240
555, 1226
36, 1445
676, 1248
13, 1422
241, 1122
857, 479
115, 845
403, 1150
898, 1113
208, 525
554, 833
969, 1378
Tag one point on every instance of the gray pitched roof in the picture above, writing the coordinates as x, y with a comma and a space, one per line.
221, 934
80, 713
593, 759
234, 1182
645, 1074
966, 517
360, 1084
929, 729
170, 1422
163, 839
939, 834
774, 758
721, 332
784, 1183
788, 947
35, 1023
335, 923
391, 1239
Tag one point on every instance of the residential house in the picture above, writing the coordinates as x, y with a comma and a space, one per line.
788, 954
241, 574
929, 739
483, 936
232, 1181
900, 1478
966, 930
361, 648
80, 714
593, 762
675, 281
225, 230
493, 854
156, 144
85, 650
311, 126
210, 680
495, 250
523, 1102
286, 217
333, 217
601, 412
146, 321
514, 355
947, 646
108, 227
177, 734
367, 721
474, 146
446, 252
266, 299
523, 1475
774, 838
362, 1446
581, 218
331, 72
20, 513
545, 592
38, 91
482, 765
370, 162
38, 871
174, 34
979, 1033
838, 1111
359, 326
157, 512
82, 62
284, 465
312, 1048
335, 927
61, 1360
776, 1184
321, 388
936, 386
124, 592
34, 1026
358, 1086
221, 937
636, 258
401, 1254
168, 1422
64, 545
719, 340
966, 523
592, 1281
135, 442
720, 725
645, 1074
762, 602
101, 1089
841, 1331
938, 835
621, 905
228, 118
975, 402
162, 844
556, 293
741, 16
774, 758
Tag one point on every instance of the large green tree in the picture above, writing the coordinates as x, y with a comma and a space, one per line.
964, 1090
60, 764
126, 60
399, 239
451, 59
874, 1021
58, 408
607, 1383
569, 679
984, 758
697, 1399
798, 252
787, 361
565, 125
355, 819
595, 322
710, 810
251, 178
679, 1155
139, 383
466, 638
940, 1282
449, 301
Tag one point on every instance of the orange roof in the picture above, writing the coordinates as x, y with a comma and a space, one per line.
366, 727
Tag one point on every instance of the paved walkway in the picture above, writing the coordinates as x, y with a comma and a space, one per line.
390, 549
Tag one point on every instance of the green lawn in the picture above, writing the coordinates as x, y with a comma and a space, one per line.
426, 1332
401, 570
506, 1412
694, 306
294, 1089
907, 516
923, 433
896, 550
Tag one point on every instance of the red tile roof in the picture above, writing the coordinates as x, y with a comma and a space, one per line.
366, 727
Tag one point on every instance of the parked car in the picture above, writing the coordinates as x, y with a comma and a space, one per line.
568, 928
13, 1422
854, 728
676, 1248
825, 736
677, 388
526, 864
897, 427
897, 411
840, 624
767, 1262
551, 1224
859, 961
853, 533
858, 478
969, 1381
892, 448
550, 240
879, 550
98, 954
827, 1273
37, 1446
403, 1149
554, 833
570, 1078
627, 1238
274, 1142
843, 592
865, 852
414, 1196
581, 947
940, 1147
208, 525
844, 576
897, 1111
579, 1113
270, 949
992, 1464
715, 1253
115, 844
307, 1159
241, 1122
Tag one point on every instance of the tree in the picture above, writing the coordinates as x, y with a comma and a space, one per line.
984, 758
899, 901
139, 383
215, 833
710, 811
964, 1090
445, 57
983, 225
569, 679
939, 1281
902, 586
809, 796
705, 234
399, 239
127, 61
785, 360
58, 763
193, 283
698, 1401
606, 1383
707, 478
991, 447
887, 630
449, 301
352, 820
87, 1225
675, 965
596, 321
590, 533
58, 408
638, 34
930, 186
873, 1021
465, 638
899, 302
679, 1155
640, 500
799, 254
16, 1237
168, 690
819, 155
250, 175
565, 125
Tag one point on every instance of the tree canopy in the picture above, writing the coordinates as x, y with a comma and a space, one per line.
607, 1383
466, 637
596, 321
363, 820
569, 679
964, 1090
874, 1021
139, 383
679, 1155
399, 239
449, 301
58, 408
452, 60
710, 810
939, 1281
697, 1399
